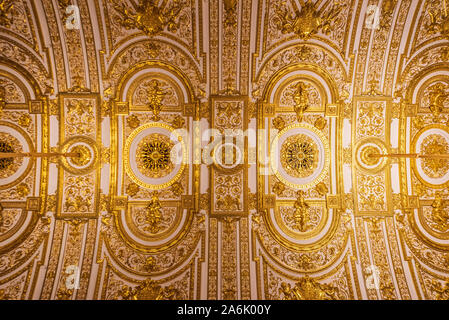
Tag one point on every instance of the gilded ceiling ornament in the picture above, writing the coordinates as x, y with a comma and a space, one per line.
227, 202
2, 97
321, 188
149, 17
437, 97
1, 215
439, 21
77, 203
439, 213
388, 6
133, 121
299, 156
148, 290
153, 214
5, 163
418, 122
301, 98
77, 84
64, 294
320, 123
24, 120
229, 89
371, 192
22, 190
372, 91
441, 293
153, 49
230, 9
177, 189
4, 295
347, 155
307, 21
83, 155
308, 289
64, 3
435, 167
303, 52
150, 264
178, 122
155, 97
278, 188
301, 214
366, 155
278, 123
132, 189
445, 54
6, 16
105, 155
153, 156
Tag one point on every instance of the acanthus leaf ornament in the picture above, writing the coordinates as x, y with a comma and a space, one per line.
307, 289
149, 17
230, 8
441, 293
308, 20
148, 290
439, 21
6, 18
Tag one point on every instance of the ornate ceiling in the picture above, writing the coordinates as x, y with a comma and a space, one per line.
224, 149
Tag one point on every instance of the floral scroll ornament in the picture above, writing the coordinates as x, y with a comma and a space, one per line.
230, 9
307, 289
148, 290
6, 17
441, 292
439, 21
307, 21
149, 17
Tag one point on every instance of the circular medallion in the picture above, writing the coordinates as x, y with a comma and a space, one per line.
364, 151
14, 140
154, 156
431, 140
228, 157
300, 156
87, 158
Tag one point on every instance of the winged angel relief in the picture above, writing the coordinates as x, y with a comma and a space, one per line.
149, 17
308, 20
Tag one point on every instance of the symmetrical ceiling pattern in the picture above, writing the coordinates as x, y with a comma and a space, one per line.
224, 149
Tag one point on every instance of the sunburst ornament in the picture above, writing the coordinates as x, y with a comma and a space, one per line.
299, 156
153, 156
